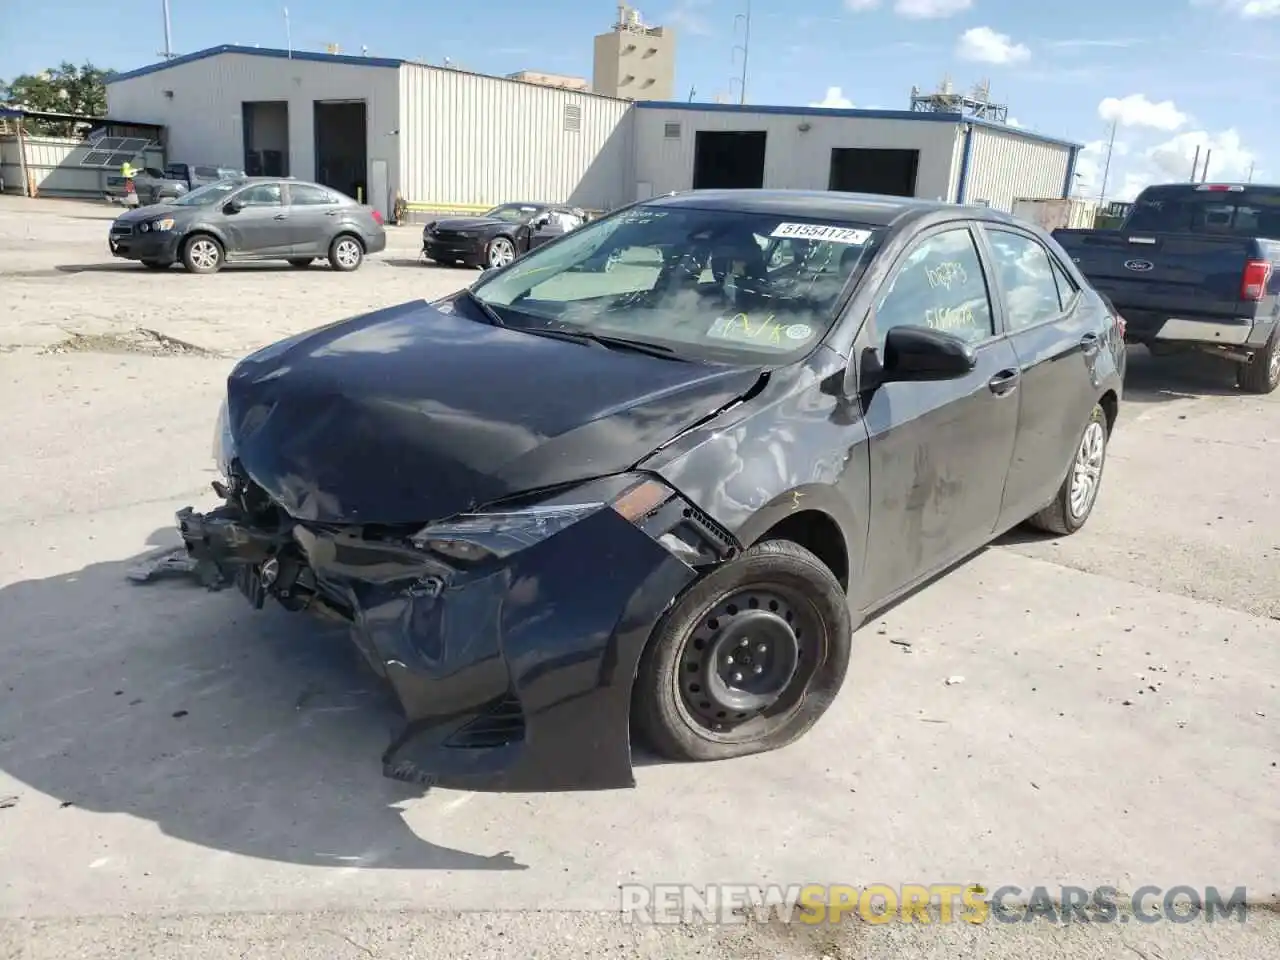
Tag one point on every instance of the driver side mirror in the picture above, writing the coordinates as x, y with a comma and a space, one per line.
234, 205
914, 353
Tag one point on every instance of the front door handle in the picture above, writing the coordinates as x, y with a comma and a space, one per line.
331, 213
1004, 382
281, 216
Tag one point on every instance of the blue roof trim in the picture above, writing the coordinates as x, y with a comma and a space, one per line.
851, 113
256, 52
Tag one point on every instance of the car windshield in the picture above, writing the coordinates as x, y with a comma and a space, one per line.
512, 212
210, 193
711, 284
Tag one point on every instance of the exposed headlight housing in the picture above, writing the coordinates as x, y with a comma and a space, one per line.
223, 445
500, 532
164, 224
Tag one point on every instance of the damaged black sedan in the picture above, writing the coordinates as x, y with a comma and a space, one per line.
649, 477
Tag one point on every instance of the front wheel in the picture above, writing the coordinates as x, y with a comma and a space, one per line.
747, 660
1074, 502
346, 253
500, 252
1262, 373
202, 254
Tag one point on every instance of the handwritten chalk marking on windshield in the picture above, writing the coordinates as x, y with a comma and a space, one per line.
819, 231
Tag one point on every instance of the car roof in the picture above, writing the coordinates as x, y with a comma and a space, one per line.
866, 208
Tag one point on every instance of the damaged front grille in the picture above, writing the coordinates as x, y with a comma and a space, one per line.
500, 725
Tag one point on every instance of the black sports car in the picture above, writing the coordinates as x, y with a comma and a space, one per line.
498, 236
652, 476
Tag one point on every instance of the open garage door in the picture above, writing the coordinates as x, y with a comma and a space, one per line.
342, 146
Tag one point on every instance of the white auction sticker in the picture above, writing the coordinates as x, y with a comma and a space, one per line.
820, 231
798, 331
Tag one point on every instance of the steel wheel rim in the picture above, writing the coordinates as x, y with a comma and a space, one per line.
348, 253
1086, 471
501, 253
726, 686
204, 254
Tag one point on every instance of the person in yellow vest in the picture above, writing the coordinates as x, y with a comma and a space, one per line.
130, 193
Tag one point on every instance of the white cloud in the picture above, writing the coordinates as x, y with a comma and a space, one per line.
930, 9
834, 99
1247, 9
1136, 110
1014, 122
1228, 159
687, 17
859, 6
984, 45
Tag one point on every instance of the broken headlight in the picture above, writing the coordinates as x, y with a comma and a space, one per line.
223, 445
503, 530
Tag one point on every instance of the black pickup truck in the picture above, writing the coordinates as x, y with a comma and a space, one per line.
1193, 267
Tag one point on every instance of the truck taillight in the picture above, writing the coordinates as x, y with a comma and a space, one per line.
1257, 274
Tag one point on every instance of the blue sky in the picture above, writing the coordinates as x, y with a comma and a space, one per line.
1174, 73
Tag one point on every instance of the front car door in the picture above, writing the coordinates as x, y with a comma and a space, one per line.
939, 450
1054, 333
261, 227
314, 217
557, 223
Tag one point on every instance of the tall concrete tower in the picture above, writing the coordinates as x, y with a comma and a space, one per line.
635, 61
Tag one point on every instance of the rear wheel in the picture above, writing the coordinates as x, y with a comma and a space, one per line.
747, 660
1262, 373
300, 263
1072, 506
202, 254
346, 253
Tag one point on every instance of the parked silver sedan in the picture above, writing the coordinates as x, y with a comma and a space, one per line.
258, 218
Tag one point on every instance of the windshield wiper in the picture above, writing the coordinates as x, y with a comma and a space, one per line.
490, 314
636, 346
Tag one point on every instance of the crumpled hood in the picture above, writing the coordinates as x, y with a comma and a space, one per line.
415, 413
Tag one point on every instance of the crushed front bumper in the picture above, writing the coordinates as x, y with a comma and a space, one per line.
513, 676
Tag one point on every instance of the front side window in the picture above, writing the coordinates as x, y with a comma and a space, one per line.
1026, 277
262, 195
210, 193
706, 283
939, 285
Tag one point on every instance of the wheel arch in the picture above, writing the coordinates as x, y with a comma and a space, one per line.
807, 516
349, 232
1110, 403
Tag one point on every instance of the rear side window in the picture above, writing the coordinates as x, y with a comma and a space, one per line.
175, 170
210, 172
1025, 271
1247, 212
305, 195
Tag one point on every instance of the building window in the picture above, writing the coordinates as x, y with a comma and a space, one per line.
572, 118
671, 131
649, 53
648, 83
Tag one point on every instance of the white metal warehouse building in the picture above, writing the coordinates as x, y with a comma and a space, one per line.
447, 139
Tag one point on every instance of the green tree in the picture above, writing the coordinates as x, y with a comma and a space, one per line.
66, 89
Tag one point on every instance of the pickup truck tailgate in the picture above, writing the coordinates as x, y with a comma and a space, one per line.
1169, 274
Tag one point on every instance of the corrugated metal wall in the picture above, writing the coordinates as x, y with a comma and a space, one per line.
1004, 166
469, 140
205, 114
793, 159
53, 166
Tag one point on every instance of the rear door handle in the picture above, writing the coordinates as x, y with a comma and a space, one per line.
1004, 382
281, 216
331, 213
1089, 342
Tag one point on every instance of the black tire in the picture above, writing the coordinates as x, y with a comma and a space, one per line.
346, 253
156, 264
689, 645
1061, 516
202, 253
300, 263
499, 252
1262, 373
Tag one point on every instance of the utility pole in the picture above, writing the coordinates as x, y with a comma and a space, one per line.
168, 35
1249, 179
745, 47
288, 35
1106, 168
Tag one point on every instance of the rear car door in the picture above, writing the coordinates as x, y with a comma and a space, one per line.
261, 227
314, 217
939, 450
1055, 331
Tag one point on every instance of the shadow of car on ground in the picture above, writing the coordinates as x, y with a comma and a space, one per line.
253, 732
